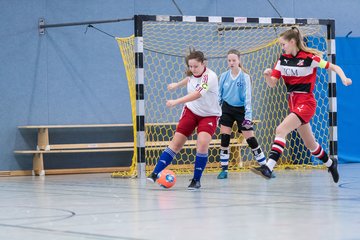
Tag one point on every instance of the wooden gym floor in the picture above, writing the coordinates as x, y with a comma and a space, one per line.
295, 205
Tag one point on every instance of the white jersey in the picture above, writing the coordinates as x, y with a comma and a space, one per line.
208, 86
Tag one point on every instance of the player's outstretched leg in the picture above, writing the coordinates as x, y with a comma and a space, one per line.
165, 159
200, 164
276, 150
258, 152
331, 164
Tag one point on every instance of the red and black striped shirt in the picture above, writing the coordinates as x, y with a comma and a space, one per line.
299, 72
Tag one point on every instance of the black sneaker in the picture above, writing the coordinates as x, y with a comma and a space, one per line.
263, 171
334, 171
194, 185
152, 177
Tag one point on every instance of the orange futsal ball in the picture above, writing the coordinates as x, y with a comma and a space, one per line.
166, 178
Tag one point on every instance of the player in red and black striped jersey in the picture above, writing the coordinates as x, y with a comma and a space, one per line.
297, 66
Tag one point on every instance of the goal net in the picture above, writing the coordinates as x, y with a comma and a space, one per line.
166, 41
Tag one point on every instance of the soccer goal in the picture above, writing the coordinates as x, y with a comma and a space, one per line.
154, 57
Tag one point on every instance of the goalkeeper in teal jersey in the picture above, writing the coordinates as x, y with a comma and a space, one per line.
235, 100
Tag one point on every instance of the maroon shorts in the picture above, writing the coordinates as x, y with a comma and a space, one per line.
189, 121
303, 105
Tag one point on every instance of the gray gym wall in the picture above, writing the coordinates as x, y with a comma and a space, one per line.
68, 77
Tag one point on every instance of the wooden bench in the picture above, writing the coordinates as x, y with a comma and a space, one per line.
157, 143
192, 144
237, 140
45, 147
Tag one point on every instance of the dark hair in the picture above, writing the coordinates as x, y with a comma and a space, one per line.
193, 54
237, 52
294, 33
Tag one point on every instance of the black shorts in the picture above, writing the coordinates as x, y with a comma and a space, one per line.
231, 114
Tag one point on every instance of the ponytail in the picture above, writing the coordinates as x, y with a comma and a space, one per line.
294, 33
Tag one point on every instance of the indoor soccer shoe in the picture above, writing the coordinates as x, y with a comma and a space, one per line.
262, 171
334, 171
222, 175
194, 185
152, 177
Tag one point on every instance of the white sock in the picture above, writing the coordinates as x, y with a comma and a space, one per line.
328, 162
271, 164
262, 163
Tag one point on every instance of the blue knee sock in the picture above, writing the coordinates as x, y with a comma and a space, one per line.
200, 164
165, 159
